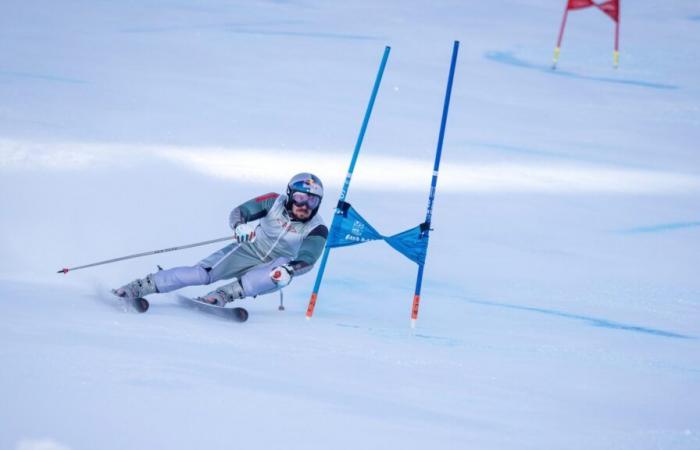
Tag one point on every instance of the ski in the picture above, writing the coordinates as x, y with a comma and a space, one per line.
236, 314
140, 305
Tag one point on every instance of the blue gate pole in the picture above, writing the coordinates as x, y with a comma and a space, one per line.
348, 178
433, 183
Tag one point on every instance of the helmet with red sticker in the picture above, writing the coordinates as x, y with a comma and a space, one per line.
304, 190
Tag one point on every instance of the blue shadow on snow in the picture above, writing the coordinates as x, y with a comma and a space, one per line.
40, 77
308, 34
549, 154
511, 60
256, 29
594, 321
661, 228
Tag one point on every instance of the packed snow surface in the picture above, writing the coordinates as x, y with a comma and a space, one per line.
561, 300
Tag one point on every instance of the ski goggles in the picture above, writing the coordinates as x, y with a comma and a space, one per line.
304, 199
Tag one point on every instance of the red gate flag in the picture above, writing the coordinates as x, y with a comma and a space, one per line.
578, 4
610, 7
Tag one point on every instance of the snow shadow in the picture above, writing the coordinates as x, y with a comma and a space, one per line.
308, 34
223, 26
12, 75
551, 154
594, 321
256, 29
660, 228
512, 60
404, 333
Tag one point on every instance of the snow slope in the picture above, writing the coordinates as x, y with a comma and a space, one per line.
561, 301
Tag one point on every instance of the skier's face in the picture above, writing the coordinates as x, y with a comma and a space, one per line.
303, 204
301, 212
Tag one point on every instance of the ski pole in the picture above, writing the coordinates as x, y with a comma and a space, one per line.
138, 255
281, 307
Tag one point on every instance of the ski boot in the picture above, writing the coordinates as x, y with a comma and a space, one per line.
135, 292
224, 294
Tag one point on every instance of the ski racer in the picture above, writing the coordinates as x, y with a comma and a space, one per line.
278, 237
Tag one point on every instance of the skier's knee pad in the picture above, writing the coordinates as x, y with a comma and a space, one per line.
257, 280
179, 277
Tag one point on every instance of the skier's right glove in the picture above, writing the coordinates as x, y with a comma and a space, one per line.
245, 232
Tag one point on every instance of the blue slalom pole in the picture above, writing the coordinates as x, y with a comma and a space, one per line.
433, 183
348, 178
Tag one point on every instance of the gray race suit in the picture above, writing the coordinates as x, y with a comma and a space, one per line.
279, 240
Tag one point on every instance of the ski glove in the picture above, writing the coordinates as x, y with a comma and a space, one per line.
282, 275
245, 232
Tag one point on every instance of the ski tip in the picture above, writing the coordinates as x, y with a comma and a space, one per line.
63, 271
240, 314
141, 305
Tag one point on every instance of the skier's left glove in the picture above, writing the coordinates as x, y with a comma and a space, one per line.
282, 275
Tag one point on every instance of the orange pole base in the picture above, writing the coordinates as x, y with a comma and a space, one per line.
312, 305
414, 310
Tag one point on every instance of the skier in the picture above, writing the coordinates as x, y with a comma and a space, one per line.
277, 237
